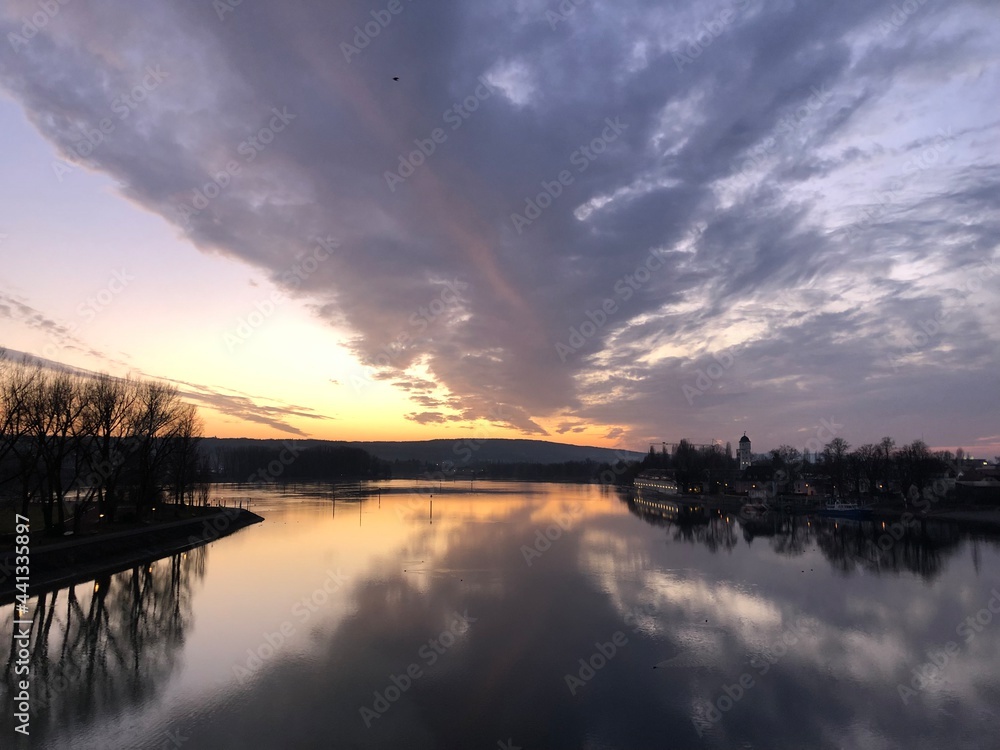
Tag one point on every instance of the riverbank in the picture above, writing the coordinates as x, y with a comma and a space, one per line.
53, 566
968, 516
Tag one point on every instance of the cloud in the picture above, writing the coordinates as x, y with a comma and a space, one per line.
790, 179
58, 335
242, 406
248, 408
427, 418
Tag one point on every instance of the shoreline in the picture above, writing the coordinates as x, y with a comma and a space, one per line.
56, 566
967, 516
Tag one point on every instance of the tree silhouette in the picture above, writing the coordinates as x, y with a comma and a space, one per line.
93, 439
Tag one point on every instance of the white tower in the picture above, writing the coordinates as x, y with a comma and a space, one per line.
744, 452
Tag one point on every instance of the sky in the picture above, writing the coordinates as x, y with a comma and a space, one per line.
600, 223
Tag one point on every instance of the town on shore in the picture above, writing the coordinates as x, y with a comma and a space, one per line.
875, 473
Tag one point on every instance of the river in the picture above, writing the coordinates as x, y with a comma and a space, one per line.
510, 615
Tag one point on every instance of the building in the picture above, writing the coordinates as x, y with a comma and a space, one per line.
805, 486
744, 452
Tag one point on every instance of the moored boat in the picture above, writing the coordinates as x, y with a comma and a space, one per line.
658, 483
845, 509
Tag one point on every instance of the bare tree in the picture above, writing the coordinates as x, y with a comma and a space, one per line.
183, 463
23, 455
54, 409
107, 418
787, 459
99, 437
202, 493
869, 462
16, 382
835, 462
914, 465
7, 413
154, 422
110, 417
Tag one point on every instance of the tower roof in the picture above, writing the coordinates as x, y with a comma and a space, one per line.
744, 439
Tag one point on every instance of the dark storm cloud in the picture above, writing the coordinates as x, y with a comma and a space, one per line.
775, 161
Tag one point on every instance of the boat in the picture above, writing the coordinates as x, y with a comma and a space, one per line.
656, 483
845, 509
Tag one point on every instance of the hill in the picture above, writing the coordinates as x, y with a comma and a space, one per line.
468, 451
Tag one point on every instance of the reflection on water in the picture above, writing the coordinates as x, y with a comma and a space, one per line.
96, 648
687, 521
873, 546
539, 615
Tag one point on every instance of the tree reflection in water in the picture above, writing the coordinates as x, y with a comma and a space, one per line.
99, 647
920, 546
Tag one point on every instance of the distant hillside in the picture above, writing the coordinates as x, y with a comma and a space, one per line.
461, 451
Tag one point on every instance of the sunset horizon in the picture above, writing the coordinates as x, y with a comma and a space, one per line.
536, 374
352, 243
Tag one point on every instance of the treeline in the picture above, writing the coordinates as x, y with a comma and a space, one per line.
291, 462
869, 469
93, 444
691, 464
872, 468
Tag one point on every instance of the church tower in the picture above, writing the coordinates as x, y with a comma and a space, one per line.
744, 452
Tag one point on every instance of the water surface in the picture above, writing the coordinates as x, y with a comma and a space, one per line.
525, 615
